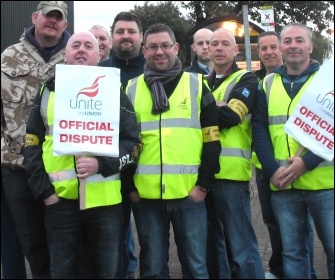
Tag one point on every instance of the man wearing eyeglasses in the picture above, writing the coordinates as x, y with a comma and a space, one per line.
179, 130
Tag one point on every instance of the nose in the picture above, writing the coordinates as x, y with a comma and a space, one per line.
159, 50
125, 34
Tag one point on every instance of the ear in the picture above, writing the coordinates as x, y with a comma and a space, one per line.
236, 49
33, 17
311, 47
64, 58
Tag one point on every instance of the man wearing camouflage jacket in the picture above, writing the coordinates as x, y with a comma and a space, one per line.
24, 67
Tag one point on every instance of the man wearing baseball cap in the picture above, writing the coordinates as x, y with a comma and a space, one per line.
48, 6
25, 66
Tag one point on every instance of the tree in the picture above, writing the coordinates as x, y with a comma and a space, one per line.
317, 14
322, 48
165, 12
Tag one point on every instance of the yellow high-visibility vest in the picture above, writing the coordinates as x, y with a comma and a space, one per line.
100, 191
168, 163
235, 157
280, 107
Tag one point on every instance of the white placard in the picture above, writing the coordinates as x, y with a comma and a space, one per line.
312, 122
86, 111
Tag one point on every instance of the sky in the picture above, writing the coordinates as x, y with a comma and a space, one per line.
89, 13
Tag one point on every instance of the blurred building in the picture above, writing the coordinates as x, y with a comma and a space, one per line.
16, 17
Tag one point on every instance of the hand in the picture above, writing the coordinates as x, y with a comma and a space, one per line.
53, 199
220, 103
295, 170
196, 194
87, 166
134, 197
276, 179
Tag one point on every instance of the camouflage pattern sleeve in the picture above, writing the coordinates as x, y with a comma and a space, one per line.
23, 71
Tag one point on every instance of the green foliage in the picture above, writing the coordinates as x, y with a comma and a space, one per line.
323, 47
316, 14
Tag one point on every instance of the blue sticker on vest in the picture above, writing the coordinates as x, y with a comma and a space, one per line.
246, 92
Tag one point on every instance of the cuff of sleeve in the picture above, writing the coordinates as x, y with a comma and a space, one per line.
311, 160
203, 183
100, 164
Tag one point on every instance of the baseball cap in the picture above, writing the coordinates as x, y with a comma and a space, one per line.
48, 6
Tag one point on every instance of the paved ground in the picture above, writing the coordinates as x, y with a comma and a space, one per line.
263, 242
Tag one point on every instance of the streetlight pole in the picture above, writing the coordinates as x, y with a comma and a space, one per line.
247, 37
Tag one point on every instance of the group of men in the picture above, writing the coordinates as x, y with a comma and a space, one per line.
189, 136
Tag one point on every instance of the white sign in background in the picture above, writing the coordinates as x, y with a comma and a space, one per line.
267, 18
86, 111
312, 122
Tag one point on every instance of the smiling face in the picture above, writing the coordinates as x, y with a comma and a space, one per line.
104, 40
160, 58
269, 51
296, 46
126, 39
82, 49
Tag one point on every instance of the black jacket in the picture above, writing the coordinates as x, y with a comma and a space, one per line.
248, 82
194, 67
129, 68
129, 145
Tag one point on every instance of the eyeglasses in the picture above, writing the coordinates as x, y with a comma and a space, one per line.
164, 47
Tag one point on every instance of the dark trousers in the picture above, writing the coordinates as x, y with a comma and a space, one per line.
28, 216
12, 258
103, 225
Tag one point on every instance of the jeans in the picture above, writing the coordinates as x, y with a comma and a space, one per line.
129, 260
131, 249
216, 253
12, 259
276, 259
188, 218
232, 202
28, 216
103, 225
291, 209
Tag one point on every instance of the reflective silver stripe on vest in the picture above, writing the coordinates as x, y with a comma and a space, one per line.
71, 174
322, 164
234, 152
231, 86
187, 123
194, 86
273, 120
181, 122
44, 110
167, 169
62, 175
99, 178
132, 89
268, 83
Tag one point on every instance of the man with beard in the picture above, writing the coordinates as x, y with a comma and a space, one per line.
126, 55
24, 67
